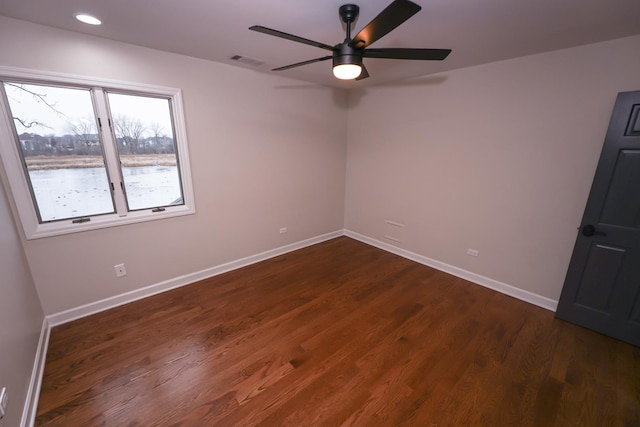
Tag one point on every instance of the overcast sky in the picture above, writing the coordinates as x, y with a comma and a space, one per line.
60, 108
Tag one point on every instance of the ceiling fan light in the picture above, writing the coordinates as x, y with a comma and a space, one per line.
347, 62
347, 71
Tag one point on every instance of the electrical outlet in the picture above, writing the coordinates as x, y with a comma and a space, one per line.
473, 252
4, 397
283, 230
120, 270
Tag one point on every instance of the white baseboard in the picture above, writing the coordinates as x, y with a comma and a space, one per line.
33, 392
487, 282
125, 298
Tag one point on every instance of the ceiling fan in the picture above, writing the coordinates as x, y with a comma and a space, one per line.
347, 56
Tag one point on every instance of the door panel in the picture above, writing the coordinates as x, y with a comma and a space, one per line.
635, 316
622, 205
599, 277
602, 287
633, 129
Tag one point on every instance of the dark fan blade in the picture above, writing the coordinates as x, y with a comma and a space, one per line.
311, 61
400, 53
364, 74
282, 35
390, 18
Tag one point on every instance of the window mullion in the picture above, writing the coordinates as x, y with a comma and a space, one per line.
110, 152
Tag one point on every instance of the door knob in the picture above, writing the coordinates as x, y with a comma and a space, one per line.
589, 230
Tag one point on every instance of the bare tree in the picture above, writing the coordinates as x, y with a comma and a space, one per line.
157, 130
85, 131
130, 131
39, 97
159, 135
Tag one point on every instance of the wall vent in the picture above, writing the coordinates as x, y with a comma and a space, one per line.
393, 230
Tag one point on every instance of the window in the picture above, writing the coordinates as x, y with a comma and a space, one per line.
82, 154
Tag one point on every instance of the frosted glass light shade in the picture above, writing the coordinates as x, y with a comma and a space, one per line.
347, 71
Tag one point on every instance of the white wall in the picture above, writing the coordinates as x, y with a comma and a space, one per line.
21, 317
498, 157
266, 152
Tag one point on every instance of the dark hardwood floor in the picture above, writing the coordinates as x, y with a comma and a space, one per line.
339, 333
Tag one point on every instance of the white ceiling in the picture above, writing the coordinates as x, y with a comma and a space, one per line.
478, 31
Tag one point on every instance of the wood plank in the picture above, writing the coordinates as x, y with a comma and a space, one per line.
339, 333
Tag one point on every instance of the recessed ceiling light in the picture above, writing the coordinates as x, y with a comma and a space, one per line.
88, 19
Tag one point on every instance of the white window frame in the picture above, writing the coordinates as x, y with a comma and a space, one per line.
17, 181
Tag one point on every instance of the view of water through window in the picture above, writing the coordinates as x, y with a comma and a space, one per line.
62, 148
69, 193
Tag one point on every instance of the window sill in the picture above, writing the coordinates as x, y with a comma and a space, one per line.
104, 221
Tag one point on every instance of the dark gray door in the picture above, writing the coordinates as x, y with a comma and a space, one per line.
602, 287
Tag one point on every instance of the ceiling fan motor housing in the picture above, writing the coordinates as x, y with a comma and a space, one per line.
345, 54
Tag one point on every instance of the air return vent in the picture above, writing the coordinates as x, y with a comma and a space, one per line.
246, 60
